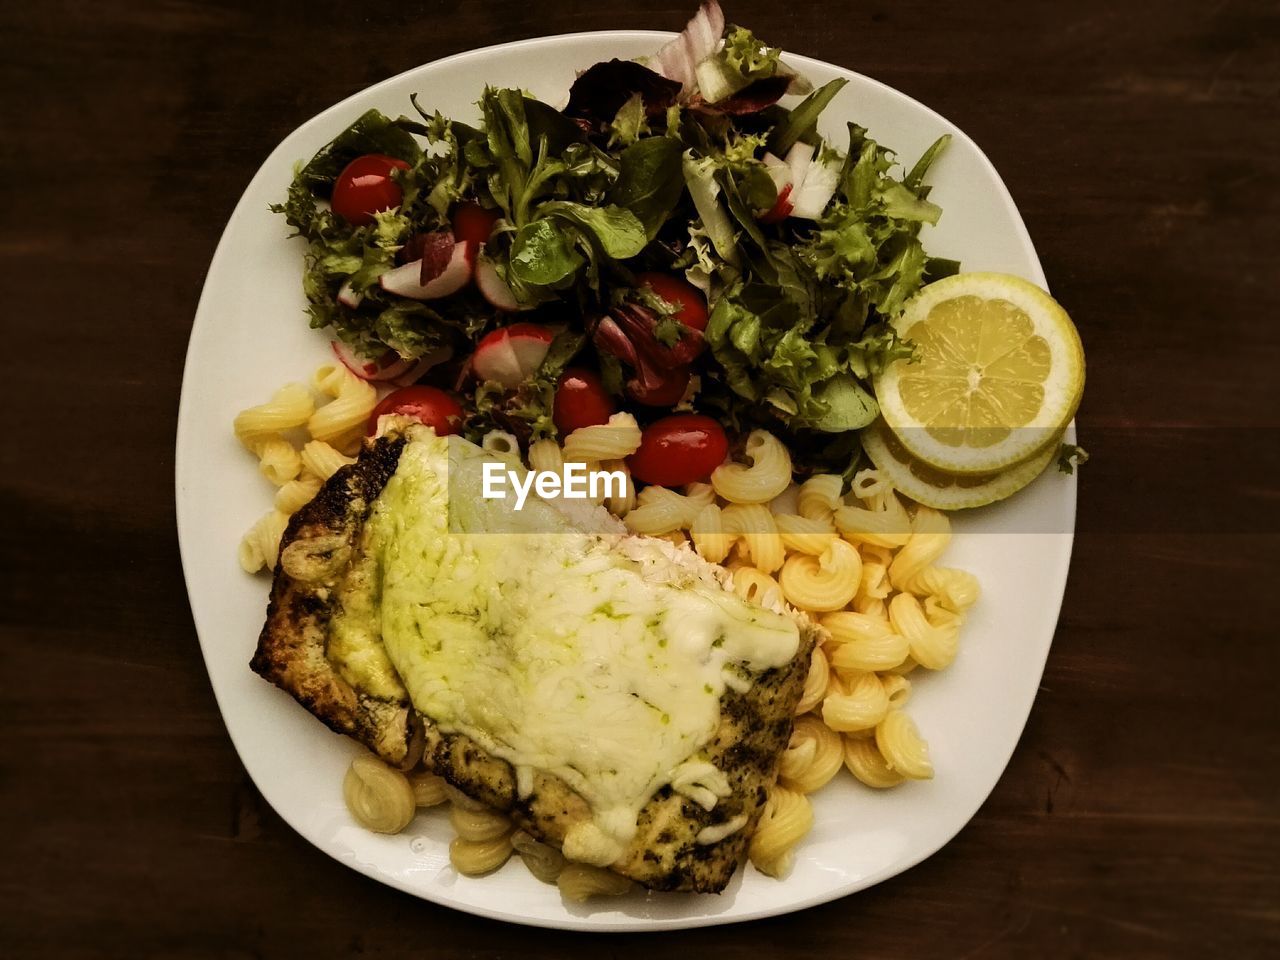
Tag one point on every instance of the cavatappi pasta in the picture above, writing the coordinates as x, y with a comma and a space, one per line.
863, 564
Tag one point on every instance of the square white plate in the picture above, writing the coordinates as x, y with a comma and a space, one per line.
250, 336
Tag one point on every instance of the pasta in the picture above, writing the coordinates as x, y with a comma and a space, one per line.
884, 528
545, 456
815, 682
292, 496
260, 546
500, 442
278, 460
902, 748
341, 422
478, 826
864, 643
321, 460
620, 505
955, 590
863, 759
475, 858
823, 583
753, 525
812, 757
930, 534
804, 535
428, 789
819, 496
787, 818
580, 882
289, 407
709, 536
618, 438
379, 798
756, 586
931, 646
542, 860
768, 475
862, 706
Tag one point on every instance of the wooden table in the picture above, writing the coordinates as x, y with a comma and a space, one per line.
1138, 817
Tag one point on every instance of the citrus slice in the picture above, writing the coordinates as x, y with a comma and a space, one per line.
948, 491
998, 372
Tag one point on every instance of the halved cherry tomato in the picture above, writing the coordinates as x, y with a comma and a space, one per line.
581, 401
680, 449
428, 405
365, 187
690, 304
473, 223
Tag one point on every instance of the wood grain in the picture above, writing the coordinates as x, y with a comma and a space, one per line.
1138, 817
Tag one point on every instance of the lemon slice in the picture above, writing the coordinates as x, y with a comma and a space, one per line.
999, 371
948, 491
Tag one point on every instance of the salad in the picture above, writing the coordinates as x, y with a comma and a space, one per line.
678, 239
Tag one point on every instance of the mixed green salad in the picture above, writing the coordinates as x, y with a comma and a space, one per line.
675, 236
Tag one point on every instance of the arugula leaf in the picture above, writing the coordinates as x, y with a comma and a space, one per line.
617, 230
543, 254
803, 120
370, 133
650, 181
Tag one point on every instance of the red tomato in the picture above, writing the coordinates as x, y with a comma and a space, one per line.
680, 449
667, 393
427, 405
690, 304
365, 187
473, 223
581, 401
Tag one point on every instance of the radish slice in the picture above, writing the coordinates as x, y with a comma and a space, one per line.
781, 208
417, 369
799, 158
387, 367
405, 281
512, 355
679, 58
493, 288
820, 182
779, 171
348, 297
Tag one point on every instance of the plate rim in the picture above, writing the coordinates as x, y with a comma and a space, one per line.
201, 329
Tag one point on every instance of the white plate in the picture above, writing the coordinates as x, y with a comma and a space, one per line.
250, 336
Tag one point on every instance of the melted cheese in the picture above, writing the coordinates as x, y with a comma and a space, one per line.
586, 656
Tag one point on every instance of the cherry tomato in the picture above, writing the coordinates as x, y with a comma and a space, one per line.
581, 401
473, 223
680, 449
365, 187
690, 304
666, 393
427, 405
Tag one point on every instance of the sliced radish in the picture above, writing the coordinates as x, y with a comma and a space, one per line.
781, 208
810, 199
678, 59
779, 171
493, 288
799, 157
419, 367
348, 297
512, 355
406, 280
389, 366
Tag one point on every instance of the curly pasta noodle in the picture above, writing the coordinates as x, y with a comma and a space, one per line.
897, 689
803, 535
295, 494
768, 475
862, 705
278, 461
545, 456
580, 882
289, 407
475, 858
500, 443
620, 504
822, 583
930, 534
260, 546
955, 590
787, 818
478, 826
753, 525
933, 647
819, 496
618, 438
864, 643
378, 797
813, 756
322, 460
882, 528
902, 747
815, 682
341, 422
756, 586
659, 510
863, 759
709, 536
542, 860
428, 789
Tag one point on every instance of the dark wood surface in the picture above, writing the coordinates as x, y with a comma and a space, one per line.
1138, 817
